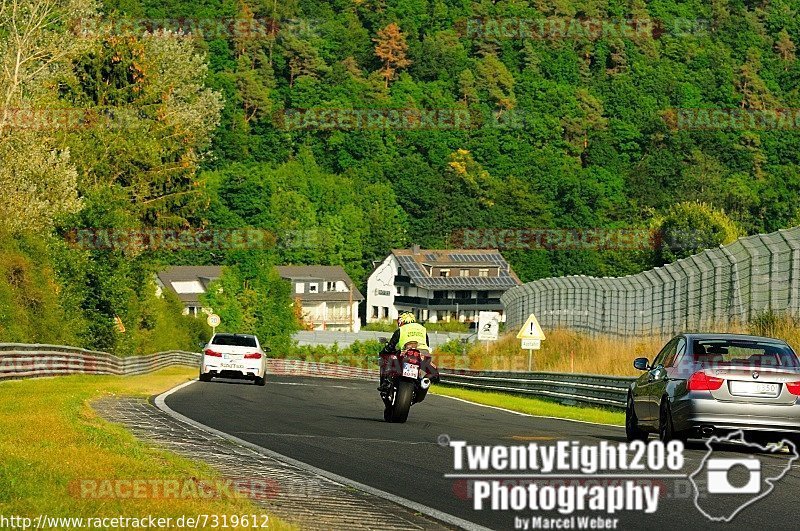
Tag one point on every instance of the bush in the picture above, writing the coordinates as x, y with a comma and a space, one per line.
445, 326
689, 228
380, 326
31, 309
362, 354
51, 293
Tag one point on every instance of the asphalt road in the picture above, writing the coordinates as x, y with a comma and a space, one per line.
337, 425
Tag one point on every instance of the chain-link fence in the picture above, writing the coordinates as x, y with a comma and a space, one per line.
718, 287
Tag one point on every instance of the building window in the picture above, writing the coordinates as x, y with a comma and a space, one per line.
464, 272
444, 272
385, 312
374, 312
299, 287
313, 288
483, 272
399, 290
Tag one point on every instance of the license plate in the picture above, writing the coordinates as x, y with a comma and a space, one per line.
231, 366
410, 371
754, 389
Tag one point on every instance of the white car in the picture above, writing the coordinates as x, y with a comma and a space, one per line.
234, 356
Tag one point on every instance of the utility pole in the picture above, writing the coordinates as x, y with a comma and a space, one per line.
350, 306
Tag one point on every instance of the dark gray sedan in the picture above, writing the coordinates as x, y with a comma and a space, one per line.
705, 384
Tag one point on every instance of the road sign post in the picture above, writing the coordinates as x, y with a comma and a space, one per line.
488, 326
213, 321
532, 336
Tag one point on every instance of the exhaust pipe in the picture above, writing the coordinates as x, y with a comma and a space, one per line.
425, 383
707, 431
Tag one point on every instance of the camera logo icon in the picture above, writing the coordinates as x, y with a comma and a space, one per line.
726, 481
718, 473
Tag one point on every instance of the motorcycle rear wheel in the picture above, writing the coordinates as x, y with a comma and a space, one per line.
402, 401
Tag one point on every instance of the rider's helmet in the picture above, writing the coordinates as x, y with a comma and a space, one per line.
405, 318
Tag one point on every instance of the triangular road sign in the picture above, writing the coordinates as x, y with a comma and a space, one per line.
531, 329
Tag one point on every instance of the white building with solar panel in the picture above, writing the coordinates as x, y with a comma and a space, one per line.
439, 285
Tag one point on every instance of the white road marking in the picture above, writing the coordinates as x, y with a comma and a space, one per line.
160, 402
310, 385
528, 414
334, 437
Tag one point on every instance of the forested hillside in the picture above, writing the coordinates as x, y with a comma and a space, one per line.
568, 130
572, 115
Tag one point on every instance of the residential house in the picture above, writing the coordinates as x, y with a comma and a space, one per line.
188, 282
439, 285
326, 295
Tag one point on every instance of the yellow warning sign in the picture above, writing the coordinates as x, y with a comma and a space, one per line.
531, 329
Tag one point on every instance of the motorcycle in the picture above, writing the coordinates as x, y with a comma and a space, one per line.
411, 373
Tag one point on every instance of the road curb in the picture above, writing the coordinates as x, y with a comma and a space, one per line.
160, 403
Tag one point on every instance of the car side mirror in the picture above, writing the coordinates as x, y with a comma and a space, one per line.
382, 340
201, 345
641, 364
266, 349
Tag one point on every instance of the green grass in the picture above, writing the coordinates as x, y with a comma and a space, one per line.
534, 406
52, 439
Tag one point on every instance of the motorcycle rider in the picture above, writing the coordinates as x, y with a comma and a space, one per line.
408, 331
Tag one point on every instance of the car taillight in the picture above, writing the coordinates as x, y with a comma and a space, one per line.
253, 356
212, 353
793, 387
700, 381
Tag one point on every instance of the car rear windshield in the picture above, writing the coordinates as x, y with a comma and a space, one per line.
714, 352
234, 340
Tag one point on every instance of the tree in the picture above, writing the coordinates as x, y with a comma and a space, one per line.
391, 48
254, 81
497, 81
302, 56
252, 298
477, 182
155, 118
689, 228
38, 179
466, 87
589, 117
785, 48
37, 184
36, 50
755, 94
617, 60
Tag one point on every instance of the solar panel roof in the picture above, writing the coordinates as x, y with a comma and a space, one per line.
419, 275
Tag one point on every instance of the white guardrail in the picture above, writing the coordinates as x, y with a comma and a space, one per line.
19, 360
33, 361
